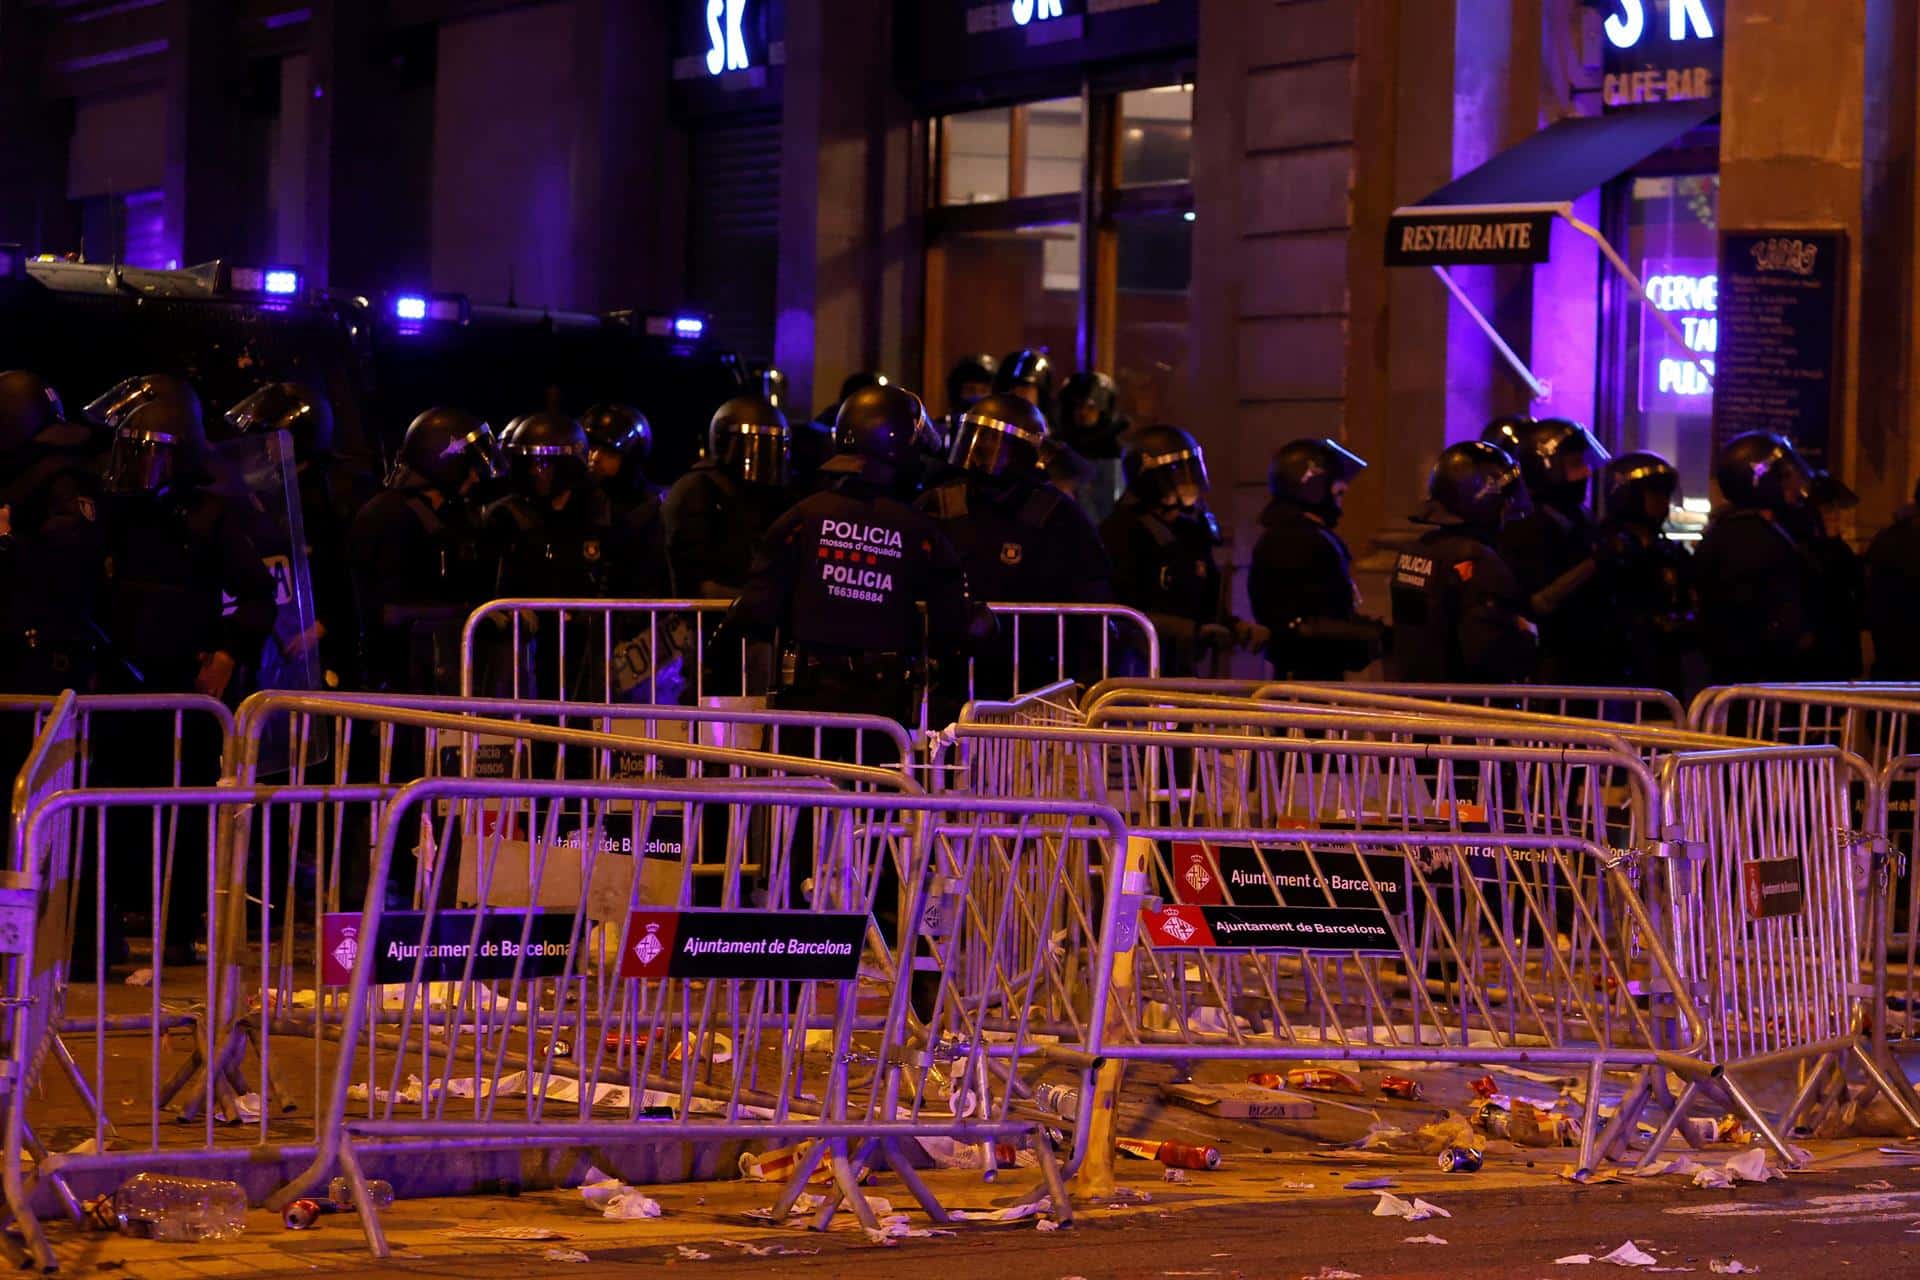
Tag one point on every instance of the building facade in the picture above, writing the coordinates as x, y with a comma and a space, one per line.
1208, 199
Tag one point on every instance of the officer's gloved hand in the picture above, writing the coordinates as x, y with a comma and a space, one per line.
1250, 636
1212, 635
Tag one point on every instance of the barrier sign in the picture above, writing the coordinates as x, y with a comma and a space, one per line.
1774, 887
801, 946
1344, 929
496, 950
1248, 876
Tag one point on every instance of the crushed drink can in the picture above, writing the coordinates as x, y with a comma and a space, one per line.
1324, 1080
1460, 1160
1484, 1087
1174, 1155
1402, 1087
1058, 1100
1267, 1080
303, 1215
1491, 1119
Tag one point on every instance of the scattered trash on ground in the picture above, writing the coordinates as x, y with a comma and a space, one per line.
565, 1255
1174, 1175
173, 1209
1731, 1267
140, 978
692, 1254
615, 1199
1332, 1273
1369, 1184
1426, 1239
1416, 1210
1878, 1184
1179, 1155
483, 1232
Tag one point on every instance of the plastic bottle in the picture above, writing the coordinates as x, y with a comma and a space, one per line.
160, 1206
340, 1191
1058, 1100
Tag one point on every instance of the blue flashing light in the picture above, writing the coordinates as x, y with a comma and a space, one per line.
689, 328
282, 281
410, 306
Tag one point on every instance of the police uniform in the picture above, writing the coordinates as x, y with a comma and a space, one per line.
713, 522
1753, 581
1893, 598
1539, 548
417, 573
1300, 586
543, 550
1165, 569
52, 574
1459, 615
1652, 605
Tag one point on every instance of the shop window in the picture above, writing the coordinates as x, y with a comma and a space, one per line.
1152, 317
1156, 135
1006, 290
1053, 148
1666, 403
977, 145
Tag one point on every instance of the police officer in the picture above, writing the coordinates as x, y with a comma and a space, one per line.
969, 382
1459, 614
619, 438
1300, 583
1090, 420
1161, 538
844, 574
52, 543
1753, 576
1020, 540
1893, 596
1836, 601
716, 513
328, 499
1648, 589
1551, 549
415, 554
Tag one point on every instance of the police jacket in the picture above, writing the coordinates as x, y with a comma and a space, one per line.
1300, 586
1753, 591
713, 523
541, 548
637, 555
1540, 547
1893, 598
417, 571
1458, 613
1165, 569
52, 572
1652, 603
172, 557
845, 574
1021, 540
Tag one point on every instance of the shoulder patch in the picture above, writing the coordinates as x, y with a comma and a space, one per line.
1463, 569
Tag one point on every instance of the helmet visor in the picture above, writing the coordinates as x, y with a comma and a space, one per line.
758, 454
117, 401
140, 462
989, 446
1179, 477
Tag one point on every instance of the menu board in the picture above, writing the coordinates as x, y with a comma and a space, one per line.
1778, 364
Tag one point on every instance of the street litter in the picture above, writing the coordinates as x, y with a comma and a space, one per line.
503, 1233
1173, 1175
1732, 1267
140, 978
1426, 1239
1589, 1177
1369, 1184
751, 1250
692, 1254
1878, 1184
1310, 1079
1630, 1255
1418, 1210
1177, 1155
1751, 1166
615, 1199
1332, 1273
1305, 1186
1045, 1224
565, 1255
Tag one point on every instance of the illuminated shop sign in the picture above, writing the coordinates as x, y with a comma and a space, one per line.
1687, 291
1660, 51
1025, 11
728, 45
728, 52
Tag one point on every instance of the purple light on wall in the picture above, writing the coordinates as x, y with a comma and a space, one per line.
143, 237
1687, 292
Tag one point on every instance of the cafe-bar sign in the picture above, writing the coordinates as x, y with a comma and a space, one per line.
1659, 51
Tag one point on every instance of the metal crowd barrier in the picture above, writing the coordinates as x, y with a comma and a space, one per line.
664, 651
813, 1015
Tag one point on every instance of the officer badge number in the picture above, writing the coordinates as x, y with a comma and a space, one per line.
1010, 553
590, 549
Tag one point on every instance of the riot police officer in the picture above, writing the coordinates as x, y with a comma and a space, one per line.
1551, 548
415, 554
716, 513
969, 382
1300, 583
1836, 600
1019, 539
1459, 614
844, 574
1753, 576
551, 535
1648, 589
1161, 539
619, 438
1893, 596
52, 544
327, 498
1090, 420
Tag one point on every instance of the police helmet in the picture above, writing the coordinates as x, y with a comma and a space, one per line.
1304, 472
1029, 374
749, 438
121, 399
1165, 465
28, 406
618, 430
1508, 431
300, 411
1477, 483
879, 433
860, 380
1632, 479
1762, 471
1557, 456
546, 454
443, 448
772, 382
1000, 434
970, 381
148, 446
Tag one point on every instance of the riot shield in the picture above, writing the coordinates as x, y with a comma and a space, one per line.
257, 475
